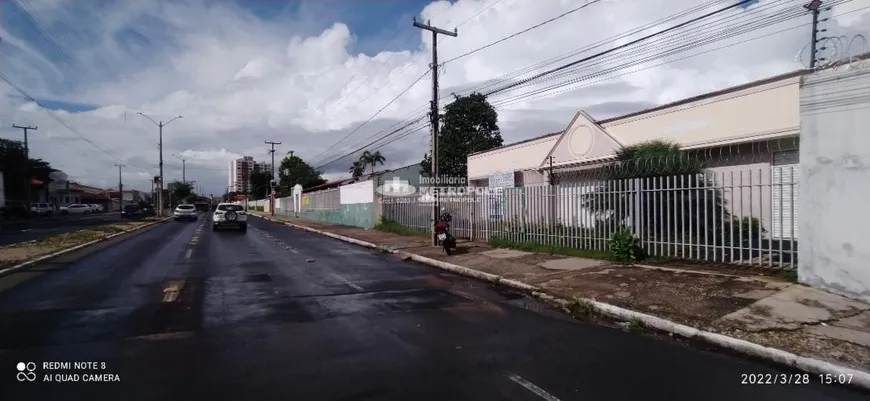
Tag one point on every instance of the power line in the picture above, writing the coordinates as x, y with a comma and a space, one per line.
490, 5
376, 113
663, 63
383, 138
385, 62
633, 42
654, 52
56, 118
531, 28
509, 76
379, 69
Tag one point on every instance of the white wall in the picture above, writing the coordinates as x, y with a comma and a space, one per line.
759, 112
835, 183
518, 157
360, 192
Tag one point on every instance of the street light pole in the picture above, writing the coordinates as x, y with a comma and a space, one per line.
120, 187
183, 167
160, 125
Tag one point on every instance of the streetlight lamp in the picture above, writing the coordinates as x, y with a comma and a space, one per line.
160, 125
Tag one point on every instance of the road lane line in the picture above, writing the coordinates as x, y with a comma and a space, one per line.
187, 255
349, 284
532, 387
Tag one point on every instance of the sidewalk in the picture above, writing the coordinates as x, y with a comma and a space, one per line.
763, 310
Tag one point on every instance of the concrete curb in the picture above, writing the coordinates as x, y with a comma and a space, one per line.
24, 265
859, 378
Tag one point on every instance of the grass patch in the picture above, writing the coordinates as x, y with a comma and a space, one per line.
580, 308
21, 252
551, 249
394, 227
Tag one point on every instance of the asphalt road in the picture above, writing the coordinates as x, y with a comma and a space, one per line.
280, 314
15, 231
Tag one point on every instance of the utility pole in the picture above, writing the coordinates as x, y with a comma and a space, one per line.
120, 187
814, 6
434, 120
183, 167
272, 186
26, 162
160, 125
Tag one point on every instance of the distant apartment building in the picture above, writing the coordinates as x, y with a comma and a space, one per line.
263, 167
240, 173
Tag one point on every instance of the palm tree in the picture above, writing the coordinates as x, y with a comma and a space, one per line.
372, 159
357, 169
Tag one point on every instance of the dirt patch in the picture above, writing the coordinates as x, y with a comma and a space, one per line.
692, 299
746, 270
18, 253
809, 345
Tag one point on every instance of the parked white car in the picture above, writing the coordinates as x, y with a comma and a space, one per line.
42, 209
78, 208
230, 215
96, 208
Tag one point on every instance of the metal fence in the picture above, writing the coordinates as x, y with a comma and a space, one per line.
744, 217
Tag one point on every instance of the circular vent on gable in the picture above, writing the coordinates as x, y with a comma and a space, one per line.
580, 141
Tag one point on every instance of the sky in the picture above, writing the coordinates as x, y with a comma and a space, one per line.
328, 77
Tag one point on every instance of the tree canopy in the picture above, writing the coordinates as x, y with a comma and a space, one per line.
260, 184
671, 196
294, 171
357, 169
371, 159
179, 190
13, 166
468, 125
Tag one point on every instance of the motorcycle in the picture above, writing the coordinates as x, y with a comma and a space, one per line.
442, 232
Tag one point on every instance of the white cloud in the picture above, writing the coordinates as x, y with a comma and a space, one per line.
238, 79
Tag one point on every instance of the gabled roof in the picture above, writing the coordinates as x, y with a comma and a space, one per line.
518, 143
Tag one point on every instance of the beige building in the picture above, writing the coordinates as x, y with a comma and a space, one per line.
746, 134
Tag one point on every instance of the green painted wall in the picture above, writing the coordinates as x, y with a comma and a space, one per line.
358, 215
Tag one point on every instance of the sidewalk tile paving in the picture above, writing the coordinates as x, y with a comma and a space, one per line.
765, 310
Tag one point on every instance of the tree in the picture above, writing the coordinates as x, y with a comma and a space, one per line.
294, 171
14, 169
662, 192
469, 125
180, 190
260, 184
372, 159
357, 169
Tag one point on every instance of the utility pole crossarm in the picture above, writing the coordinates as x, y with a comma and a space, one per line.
436, 30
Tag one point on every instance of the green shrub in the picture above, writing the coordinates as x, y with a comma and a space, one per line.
625, 247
